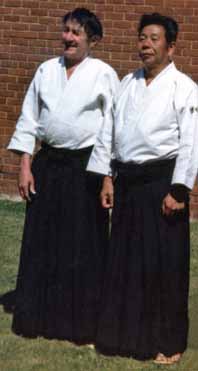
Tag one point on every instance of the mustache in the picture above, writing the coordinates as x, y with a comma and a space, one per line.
67, 44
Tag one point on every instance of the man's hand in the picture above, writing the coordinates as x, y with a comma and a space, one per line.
171, 206
106, 194
26, 179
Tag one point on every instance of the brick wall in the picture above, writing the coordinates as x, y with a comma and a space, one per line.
30, 34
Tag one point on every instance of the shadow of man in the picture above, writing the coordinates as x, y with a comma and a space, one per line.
8, 301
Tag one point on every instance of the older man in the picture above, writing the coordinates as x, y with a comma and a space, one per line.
155, 152
66, 229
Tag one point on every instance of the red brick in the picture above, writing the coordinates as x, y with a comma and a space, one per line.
186, 28
154, 2
192, 20
48, 4
20, 41
12, 117
11, 18
22, 34
175, 3
190, 69
5, 78
144, 9
191, 4
3, 115
39, 12
190, 36
37, 43
56, 13
12, 3
105, 8
20, 26
49, 35
6, 10
195, 61
21, 11
114, 16
37, 27
135, 2
193, 52
5, 26
3, 70
29, 19
187, 11
27, 65
182, 60
48, 20
30, 4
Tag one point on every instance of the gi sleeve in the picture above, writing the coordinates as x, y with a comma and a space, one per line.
185, 170
100, 159
24, 137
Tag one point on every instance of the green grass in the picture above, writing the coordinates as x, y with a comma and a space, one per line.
17, 354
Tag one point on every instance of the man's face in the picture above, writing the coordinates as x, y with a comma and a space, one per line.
75, 41
153, 48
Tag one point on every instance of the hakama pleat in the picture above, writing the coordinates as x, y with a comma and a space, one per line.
145, 299
63, 250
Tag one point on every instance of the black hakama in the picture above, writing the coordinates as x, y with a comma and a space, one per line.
63, 249
145, 302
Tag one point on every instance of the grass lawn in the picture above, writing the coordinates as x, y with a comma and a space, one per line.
17, 354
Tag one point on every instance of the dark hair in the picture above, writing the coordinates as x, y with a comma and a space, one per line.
88, 20
170, 25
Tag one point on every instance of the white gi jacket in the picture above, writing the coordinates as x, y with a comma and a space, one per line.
65, 113
154, 122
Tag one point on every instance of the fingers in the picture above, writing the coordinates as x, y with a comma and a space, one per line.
26, 186
24, 192
111, 199
169, 211
170, 206
106, 195
106, 200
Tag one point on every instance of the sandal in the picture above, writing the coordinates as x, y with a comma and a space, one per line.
161, 359
90, 346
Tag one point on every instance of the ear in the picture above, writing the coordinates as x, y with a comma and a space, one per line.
171, 49
94, 41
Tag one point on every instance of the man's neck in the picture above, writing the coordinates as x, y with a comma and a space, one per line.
71, 65
151, 73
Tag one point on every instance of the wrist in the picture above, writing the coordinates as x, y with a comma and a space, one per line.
107, 179
25, 161
179, 192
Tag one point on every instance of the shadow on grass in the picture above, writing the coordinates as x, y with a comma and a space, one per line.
193, 331
8, 301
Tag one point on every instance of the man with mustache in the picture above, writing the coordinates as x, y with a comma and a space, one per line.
155, 160
66, 229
